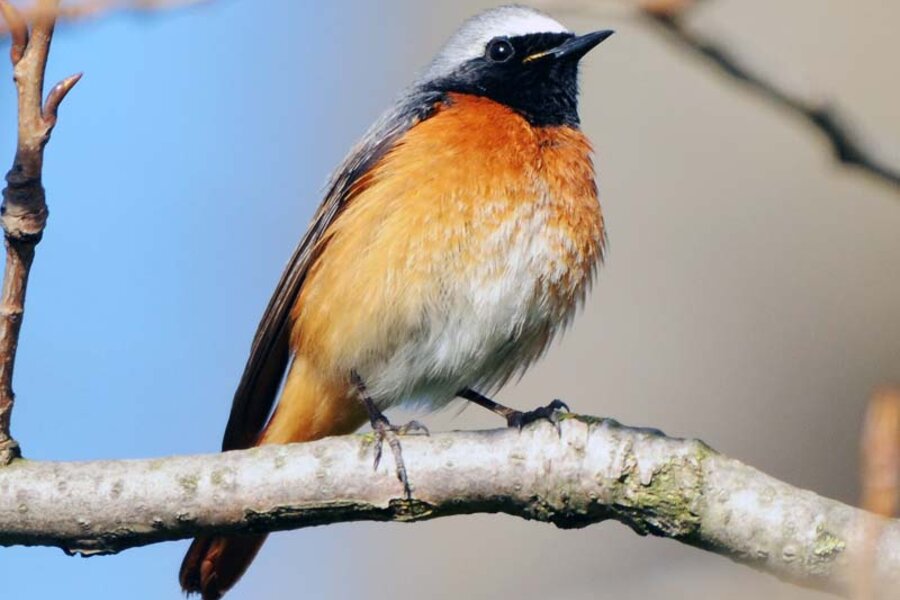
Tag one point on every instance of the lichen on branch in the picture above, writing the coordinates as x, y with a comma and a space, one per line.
594, 471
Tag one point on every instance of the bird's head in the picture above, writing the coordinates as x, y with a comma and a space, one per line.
519, 57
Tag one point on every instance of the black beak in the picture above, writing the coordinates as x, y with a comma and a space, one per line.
578, 46
574, 48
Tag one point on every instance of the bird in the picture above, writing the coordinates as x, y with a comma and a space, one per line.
453, 244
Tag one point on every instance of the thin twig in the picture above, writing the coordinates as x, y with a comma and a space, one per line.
667, 17
24, 210
845, 143
593, 470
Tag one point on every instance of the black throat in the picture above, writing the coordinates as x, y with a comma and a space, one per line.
543, 91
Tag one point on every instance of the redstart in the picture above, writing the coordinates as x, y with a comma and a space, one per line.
453, 243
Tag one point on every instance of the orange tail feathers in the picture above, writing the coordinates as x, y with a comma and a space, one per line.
309, 409
214, 564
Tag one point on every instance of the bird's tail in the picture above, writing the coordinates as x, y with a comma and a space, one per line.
309, 409
215, 563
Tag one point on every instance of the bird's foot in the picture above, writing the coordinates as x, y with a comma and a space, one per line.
385, 432
552, 412
516, 418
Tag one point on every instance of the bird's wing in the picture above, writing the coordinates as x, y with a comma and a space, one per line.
270, 351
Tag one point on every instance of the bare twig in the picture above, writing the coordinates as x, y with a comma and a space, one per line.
880, 461
845, 143
24, 209
91, 9
596, 470
667, 17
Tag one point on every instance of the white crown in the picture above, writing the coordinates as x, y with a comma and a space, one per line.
471, 38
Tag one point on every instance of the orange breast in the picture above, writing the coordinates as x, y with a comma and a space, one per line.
469, 244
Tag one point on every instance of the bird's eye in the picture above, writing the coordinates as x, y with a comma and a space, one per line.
499, 50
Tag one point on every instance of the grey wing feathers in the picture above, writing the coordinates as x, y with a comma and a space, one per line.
270, 351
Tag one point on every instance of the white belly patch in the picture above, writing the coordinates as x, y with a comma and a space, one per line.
480, 329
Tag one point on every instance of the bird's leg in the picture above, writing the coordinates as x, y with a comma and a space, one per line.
385, 431
516, 418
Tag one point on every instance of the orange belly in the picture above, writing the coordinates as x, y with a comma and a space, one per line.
457, 260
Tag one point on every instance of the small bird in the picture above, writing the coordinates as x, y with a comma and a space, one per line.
453, 243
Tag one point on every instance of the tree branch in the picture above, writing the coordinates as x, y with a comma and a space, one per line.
24, 211
596, 470
846, 146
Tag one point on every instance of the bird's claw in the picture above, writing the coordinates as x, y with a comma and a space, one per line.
413, 427
551, 413
385, 431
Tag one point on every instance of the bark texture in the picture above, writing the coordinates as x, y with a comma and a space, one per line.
23, 213
594, 471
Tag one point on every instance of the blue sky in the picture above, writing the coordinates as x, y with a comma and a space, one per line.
184, 168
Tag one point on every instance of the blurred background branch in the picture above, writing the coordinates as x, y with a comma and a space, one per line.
668, 18
91, 9
880, 479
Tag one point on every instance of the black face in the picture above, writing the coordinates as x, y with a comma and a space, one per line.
516, 72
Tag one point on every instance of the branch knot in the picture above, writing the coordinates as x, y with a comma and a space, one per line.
23, 214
